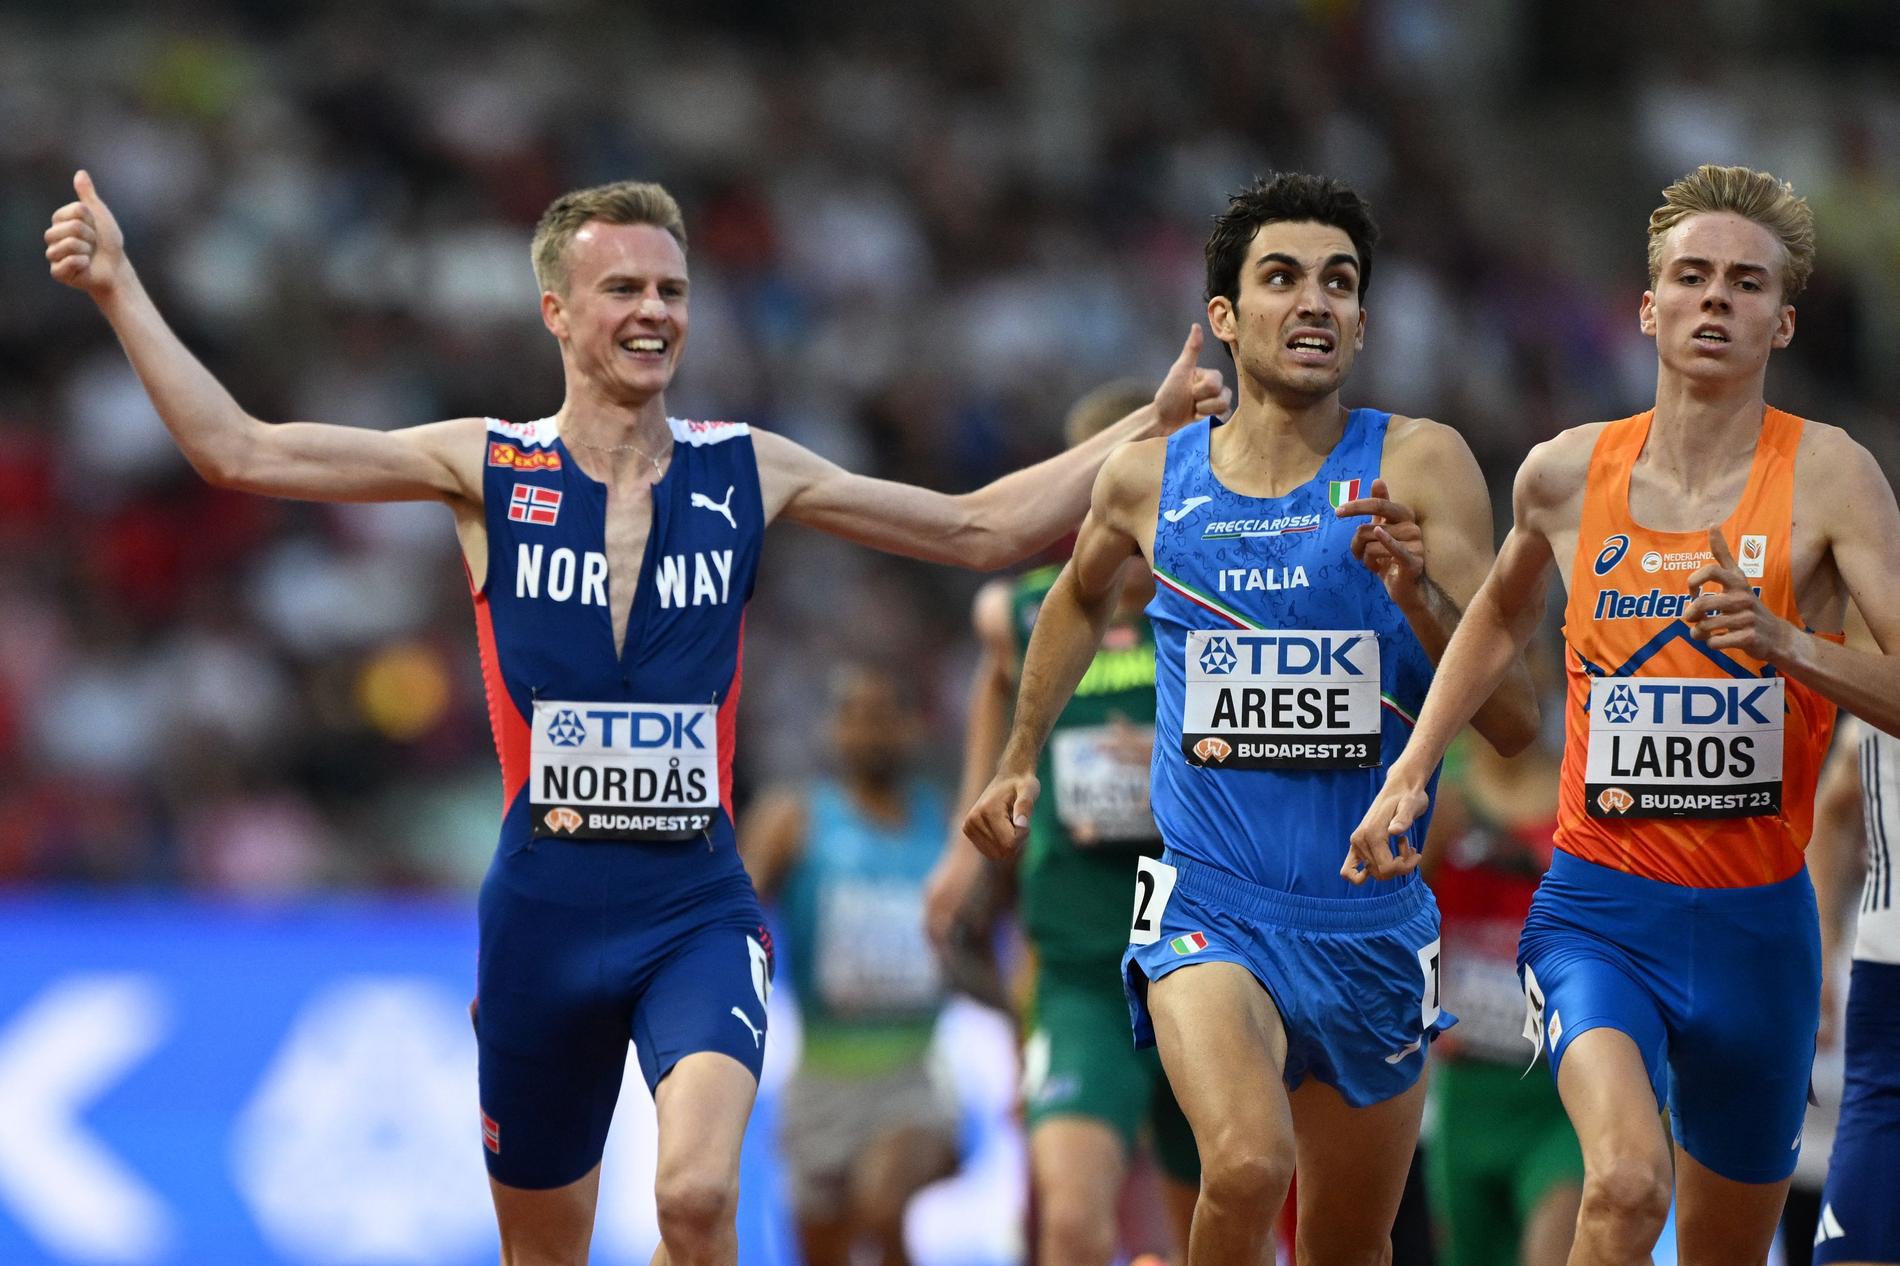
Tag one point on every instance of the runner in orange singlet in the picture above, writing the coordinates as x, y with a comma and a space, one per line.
1672, 954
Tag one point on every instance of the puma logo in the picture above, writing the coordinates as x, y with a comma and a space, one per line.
1185, 508
758, 1038
703, 502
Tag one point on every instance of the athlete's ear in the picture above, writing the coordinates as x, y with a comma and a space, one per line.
1359, 335
1646, 315
1220, 319
1784, 331
554, 314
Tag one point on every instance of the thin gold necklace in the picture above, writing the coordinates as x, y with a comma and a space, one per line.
619, 448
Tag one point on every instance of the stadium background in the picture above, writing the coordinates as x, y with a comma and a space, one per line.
237, 732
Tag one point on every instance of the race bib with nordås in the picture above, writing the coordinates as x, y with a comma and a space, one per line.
1684, 747
623, 771
1281, 699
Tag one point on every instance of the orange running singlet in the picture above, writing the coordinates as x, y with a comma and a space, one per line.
1684, 764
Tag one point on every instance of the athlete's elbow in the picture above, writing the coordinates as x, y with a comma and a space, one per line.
1514, 731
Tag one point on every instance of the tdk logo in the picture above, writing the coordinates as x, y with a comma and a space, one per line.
1669, 703
1217, 657
1614, 547
1283, 655
642, 728
566, 729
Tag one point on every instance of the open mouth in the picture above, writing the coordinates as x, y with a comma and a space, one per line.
1311, 343
1711, 336
645, 345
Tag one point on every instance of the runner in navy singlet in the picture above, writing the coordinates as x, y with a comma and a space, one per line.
611, 550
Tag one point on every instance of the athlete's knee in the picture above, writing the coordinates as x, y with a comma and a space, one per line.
1246, 1172
695, 1205
1341, 1246
1628, 1191
1073, 1232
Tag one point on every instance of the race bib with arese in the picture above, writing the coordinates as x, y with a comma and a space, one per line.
623, 771
1684, 747
1101, 783
1281, 699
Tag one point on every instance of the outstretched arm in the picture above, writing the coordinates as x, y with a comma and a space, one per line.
771, 839
959, 870
998, 524
1069, 627
1430, 542
86, 250
1489, 641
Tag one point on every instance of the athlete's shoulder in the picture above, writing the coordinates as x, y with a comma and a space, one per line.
1423, 442
700, 434
1559, 463
1134, 468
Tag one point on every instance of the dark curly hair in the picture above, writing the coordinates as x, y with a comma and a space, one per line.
1284, 196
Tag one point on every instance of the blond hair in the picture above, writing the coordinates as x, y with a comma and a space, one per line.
623, 202
1104, 407
1753, 195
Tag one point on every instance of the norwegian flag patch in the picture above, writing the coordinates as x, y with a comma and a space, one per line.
531, 503
491, 1134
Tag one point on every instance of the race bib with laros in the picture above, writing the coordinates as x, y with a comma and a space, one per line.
1282, 699
623, 771
1684, 747
1101, 783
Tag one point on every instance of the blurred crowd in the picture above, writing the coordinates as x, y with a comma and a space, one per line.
917, 232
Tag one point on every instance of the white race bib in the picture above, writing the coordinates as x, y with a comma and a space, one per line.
1101, 783
623, 771
872, 955
1306, 699
1684, 747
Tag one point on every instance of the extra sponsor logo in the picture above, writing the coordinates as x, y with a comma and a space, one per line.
1614, 547
1652, 562
507, 456
562, 820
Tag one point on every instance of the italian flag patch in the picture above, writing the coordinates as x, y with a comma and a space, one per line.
1188, 944
1340, 491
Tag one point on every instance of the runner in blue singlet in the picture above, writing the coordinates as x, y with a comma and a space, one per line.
1294, 641
611, 550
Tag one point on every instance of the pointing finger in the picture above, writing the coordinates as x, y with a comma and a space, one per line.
1380, 506
1718, 546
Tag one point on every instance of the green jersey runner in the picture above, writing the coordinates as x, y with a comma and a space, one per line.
1074, 884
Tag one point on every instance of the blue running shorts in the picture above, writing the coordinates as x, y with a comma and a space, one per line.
563, 986
1860, 1205
1355, 981
1720, 989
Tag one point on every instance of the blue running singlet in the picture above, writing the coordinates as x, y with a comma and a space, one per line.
616, 908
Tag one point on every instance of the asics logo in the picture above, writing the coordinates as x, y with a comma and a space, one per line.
703, 502
1185, 508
